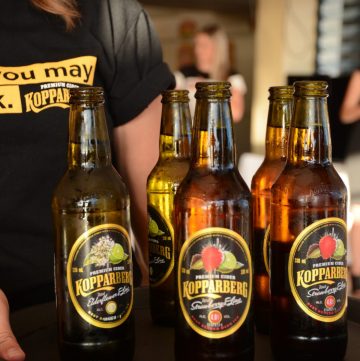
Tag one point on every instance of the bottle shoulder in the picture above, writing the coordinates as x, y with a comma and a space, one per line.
208, 185
167, 173
310, 184
101, 189
266, 174
170, 168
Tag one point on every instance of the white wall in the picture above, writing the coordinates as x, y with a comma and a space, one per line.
285, 44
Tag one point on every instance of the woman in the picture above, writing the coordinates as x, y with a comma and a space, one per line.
46, 48
212, 62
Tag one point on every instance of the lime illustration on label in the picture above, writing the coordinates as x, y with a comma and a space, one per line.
215, 282
161, 246
266, 249
99, 276
318, 270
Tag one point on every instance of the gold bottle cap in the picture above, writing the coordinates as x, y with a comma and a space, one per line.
83, 95
313, 88
213, 90
175, 96
284, 92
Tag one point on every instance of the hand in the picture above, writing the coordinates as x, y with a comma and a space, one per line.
9, 348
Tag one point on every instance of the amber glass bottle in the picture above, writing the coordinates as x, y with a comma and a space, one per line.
213, 233
308, 239
163, 182
93, 260
279, 114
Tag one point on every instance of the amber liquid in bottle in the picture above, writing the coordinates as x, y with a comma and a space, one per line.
308, 239
279, 114
213, 232
164, 180
93, 269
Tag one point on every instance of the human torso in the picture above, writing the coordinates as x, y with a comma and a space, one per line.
39, 63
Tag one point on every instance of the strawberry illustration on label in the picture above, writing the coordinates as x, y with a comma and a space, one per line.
212, 258
327, 246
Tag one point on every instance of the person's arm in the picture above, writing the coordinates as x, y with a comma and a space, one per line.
350, 108
237, 105
136, 146
9, 348
137, 75
238, 91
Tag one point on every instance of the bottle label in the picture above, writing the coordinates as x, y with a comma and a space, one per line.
99, 276
215, 282
161, 247
318, 269
266, 249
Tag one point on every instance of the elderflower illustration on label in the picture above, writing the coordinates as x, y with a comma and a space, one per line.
105, 251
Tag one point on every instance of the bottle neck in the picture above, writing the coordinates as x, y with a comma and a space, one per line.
309, 140
175, 132
89, 145
213, 146
277, 130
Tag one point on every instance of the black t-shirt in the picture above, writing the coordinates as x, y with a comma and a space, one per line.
193, 71
114, 47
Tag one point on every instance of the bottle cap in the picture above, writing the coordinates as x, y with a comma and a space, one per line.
213, 90
313, 88
281, 92
177, 95
85, 95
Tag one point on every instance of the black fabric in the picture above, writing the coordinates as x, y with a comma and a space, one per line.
115, 47
354, 143
341, 134
193, 71
355, 280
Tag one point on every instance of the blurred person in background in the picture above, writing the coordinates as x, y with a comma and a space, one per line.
350, 114
212, 63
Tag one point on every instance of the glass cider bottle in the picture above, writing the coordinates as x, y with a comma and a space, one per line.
213, 233
279, 114
93, 258
163, 182
308, 273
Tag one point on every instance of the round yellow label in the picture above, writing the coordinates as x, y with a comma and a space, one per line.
215, 282
99, 276
317, 270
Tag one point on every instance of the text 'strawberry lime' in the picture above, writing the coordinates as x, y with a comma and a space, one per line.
327, 246
212, 258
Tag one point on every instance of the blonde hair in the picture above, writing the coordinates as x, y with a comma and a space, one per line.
220, 69
66, 9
